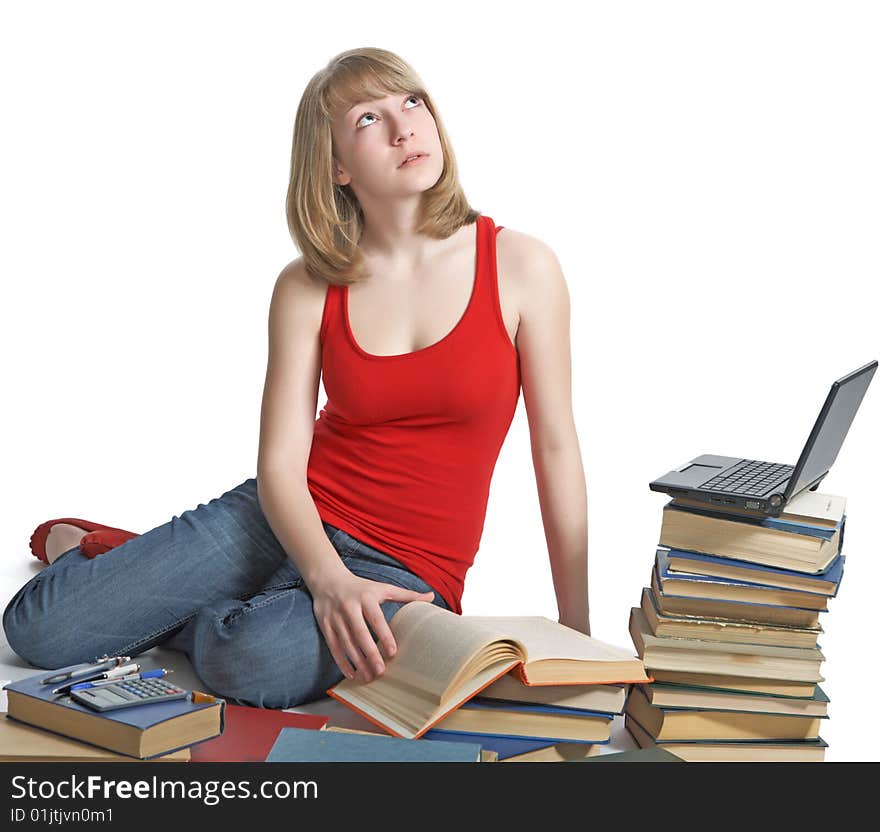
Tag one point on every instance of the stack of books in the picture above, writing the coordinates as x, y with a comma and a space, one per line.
42, 725
525, 688
729, 630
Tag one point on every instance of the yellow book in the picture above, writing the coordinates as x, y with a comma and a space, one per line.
714, 628
716, 681
705, 724
763, 661
703, 751
22, 743
444, 659
735, 538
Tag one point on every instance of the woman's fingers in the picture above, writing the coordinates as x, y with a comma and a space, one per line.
337, 650
398, 593
349, 645
376, 620
373, 664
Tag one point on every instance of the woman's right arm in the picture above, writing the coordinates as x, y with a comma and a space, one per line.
344, 604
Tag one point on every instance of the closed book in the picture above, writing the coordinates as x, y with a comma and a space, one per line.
22, 743
706, 724
560, 752
141, 731
684, 696
724, 629
605, 698
725, 589
637, 755
504, 746
249, 733
444, 659
769, 541
739, 751
700, 656
526, 720
826, 582
487, 755
739, 610
742, 684
302, 745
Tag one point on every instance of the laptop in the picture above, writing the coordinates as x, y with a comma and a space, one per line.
734, 482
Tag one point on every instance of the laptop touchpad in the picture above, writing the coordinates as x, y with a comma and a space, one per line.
696, 469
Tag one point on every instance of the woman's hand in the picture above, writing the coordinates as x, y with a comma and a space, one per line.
344, 606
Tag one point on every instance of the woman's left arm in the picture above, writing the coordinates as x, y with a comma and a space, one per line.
544, 345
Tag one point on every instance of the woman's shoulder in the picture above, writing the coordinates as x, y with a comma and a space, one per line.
524, 261
298, 294
524, 247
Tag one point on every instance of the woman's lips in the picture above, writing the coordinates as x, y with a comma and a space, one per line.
415, 161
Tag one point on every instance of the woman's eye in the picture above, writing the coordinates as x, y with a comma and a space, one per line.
371, 115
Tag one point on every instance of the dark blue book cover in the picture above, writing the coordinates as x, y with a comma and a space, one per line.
301, 745
530, 707
833, 573
140, 717
662, 557
488, 740
739, 603
504, 746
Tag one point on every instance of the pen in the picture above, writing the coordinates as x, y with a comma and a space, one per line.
106, 663
149, 674
113, 675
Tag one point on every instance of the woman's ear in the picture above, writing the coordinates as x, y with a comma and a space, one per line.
340, 177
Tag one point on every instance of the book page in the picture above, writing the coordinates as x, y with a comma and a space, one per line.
433, 645
546, 639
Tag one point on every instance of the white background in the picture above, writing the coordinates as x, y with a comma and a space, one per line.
707, 174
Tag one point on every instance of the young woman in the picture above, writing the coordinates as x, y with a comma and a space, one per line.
425, 322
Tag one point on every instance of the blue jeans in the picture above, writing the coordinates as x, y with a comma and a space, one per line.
214, 583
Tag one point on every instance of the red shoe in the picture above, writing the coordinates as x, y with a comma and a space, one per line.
103, 540
97, 546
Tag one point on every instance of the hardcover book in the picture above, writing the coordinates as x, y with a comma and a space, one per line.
701, 656
769, 541
444, 659
249, 733
738, 751
726, 589
826, 582
142, 731
304, 746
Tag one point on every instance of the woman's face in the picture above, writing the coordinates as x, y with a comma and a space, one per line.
372, 139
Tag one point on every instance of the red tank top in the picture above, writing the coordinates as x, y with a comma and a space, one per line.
404, 448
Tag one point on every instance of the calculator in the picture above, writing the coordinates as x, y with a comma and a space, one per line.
126, 694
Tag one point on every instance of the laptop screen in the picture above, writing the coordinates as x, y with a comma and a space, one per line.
831, 428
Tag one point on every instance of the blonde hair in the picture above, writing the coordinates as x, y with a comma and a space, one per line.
325, 219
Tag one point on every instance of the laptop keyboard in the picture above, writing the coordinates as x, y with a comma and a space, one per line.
750, 477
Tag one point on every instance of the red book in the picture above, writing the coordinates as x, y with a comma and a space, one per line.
249, 734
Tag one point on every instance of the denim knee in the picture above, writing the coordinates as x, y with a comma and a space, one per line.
40, 639
240, 653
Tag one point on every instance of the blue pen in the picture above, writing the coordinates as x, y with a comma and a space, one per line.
148, 674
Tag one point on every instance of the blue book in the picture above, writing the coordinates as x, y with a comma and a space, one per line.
725, 589
301, 745
504, 746
508, 705
530, 721
826, 582
142, 731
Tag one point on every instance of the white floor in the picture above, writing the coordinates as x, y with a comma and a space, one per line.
15, 574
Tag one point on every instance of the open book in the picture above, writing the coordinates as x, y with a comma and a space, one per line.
443, 659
